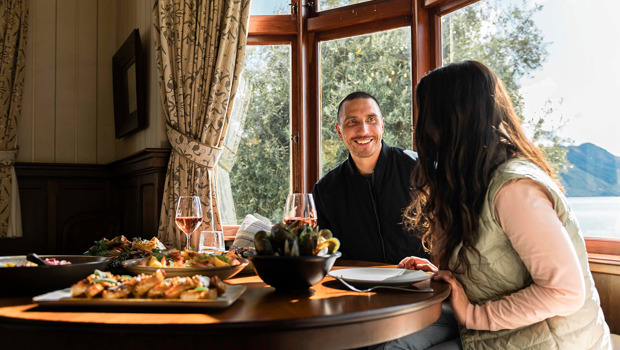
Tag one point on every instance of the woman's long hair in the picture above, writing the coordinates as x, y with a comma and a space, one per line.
466, 128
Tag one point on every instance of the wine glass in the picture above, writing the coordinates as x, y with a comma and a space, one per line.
299, 210
188, 216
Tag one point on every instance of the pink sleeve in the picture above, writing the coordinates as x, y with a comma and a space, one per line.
526, 214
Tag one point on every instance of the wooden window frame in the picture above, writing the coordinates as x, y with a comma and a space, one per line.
306, 29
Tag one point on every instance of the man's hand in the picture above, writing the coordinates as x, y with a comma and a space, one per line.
458, 298
415, 263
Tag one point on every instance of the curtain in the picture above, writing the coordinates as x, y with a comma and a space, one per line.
13, 30
199, 46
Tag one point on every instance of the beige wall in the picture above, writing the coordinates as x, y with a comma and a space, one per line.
67, 111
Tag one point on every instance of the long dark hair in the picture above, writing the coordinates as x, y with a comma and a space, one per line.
466, 127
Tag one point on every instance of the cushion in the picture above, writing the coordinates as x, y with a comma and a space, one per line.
249, 227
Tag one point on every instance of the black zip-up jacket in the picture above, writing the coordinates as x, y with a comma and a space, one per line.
365, 214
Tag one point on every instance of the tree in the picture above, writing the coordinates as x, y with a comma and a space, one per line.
260, 172
504, 36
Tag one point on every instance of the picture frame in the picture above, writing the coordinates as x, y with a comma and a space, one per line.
128, 69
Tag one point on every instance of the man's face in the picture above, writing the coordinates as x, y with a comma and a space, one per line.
360, 126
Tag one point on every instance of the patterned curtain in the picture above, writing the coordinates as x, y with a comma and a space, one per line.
13, 29
199, 46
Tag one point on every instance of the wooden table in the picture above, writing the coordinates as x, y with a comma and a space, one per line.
328, 316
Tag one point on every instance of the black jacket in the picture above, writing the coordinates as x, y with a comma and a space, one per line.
366, 214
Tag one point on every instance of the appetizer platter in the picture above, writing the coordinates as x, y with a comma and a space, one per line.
156, 290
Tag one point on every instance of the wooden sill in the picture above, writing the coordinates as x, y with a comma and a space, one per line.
602, 263
603, 251
230, 232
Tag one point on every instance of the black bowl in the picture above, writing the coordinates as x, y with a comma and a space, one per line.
292, 273
30, 280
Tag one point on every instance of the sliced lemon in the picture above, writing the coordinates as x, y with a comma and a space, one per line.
331, 244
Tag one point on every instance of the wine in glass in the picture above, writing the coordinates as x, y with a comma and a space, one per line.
188, 216
299, 210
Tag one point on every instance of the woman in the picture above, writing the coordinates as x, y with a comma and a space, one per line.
496, 223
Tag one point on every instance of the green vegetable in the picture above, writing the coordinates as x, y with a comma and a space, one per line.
99, 280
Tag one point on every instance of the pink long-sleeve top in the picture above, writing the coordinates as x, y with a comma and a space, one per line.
525, 211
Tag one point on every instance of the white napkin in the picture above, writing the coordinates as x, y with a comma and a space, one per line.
249, 227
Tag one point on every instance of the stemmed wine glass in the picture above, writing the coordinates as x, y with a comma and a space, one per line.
300, 209
188, 216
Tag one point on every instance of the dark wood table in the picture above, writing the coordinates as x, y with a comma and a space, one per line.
327, 316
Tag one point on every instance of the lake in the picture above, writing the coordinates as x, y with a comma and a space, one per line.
597, 216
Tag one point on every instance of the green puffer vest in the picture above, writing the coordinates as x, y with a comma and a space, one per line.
501, 272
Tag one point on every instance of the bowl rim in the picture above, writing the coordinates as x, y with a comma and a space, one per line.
254, 255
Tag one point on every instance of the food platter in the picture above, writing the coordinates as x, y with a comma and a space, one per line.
63, 297
223, 272
380, 276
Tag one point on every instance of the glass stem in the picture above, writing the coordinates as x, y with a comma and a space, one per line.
187, 236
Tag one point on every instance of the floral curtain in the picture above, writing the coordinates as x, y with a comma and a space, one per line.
13, 30
199, 46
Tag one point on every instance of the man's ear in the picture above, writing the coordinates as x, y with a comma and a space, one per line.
338, 131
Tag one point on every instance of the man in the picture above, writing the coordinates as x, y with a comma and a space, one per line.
362, 200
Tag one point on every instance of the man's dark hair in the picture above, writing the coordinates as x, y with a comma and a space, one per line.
353, 96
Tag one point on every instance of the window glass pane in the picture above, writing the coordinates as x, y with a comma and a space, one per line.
557, 62
270, 7
330, 4
379, 64
253, 171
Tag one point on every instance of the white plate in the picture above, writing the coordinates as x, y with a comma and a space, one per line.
63, 298
380, 276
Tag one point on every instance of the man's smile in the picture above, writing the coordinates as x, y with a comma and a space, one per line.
364, 141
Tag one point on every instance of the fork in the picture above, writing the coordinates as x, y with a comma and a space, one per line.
425, 290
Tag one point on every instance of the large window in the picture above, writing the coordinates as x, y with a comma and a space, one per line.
378, 63
548, 56
555, 58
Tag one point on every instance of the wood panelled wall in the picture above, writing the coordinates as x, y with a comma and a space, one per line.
53, 195
68, 106
606, 274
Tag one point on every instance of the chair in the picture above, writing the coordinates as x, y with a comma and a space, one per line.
81, 230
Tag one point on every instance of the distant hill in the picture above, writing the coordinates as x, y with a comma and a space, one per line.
594, 172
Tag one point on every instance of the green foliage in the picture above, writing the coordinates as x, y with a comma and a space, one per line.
260, 175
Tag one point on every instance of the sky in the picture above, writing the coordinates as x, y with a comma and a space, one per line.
581, 76
266, 7
582, 73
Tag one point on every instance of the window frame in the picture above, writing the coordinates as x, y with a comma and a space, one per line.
305, 29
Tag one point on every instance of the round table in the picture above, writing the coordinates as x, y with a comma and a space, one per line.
327, 316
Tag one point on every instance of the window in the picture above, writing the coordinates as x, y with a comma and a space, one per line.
378, 63
564, 92
436, 36
253, 174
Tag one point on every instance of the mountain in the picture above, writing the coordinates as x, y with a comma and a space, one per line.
594, 172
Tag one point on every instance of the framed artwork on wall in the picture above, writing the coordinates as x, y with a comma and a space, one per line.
128, 70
